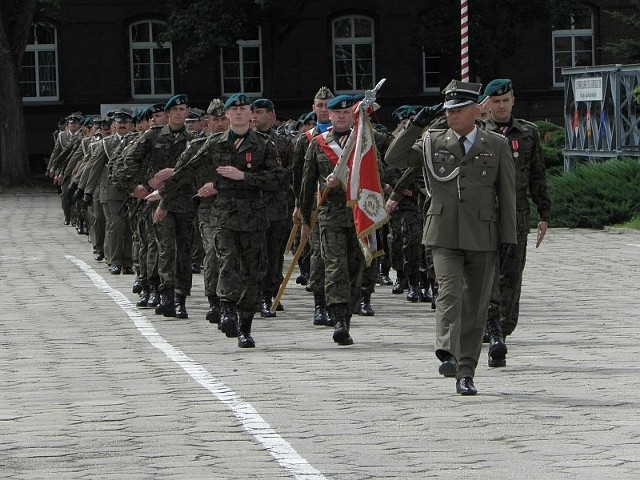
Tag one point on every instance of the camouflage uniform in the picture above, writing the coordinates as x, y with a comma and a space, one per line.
524, 140
237, 218
341, 252
157, 149
279, 216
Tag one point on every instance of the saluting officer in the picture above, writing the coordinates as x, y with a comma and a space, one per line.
472, 213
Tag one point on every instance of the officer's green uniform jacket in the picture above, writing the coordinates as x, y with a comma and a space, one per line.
299, 152
63, 151
239, 204
475, 208
158, 148
524, 140
317, 166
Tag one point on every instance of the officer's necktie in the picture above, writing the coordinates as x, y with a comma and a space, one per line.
342, 140
461, 141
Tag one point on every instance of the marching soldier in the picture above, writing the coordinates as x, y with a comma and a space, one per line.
341, 253
472, 213
524, 140
242, 163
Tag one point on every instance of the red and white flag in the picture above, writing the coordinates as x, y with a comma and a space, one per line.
364, 191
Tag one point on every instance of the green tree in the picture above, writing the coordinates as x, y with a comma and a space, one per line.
627, 50
16, 17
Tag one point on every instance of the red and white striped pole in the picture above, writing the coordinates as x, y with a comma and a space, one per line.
464, 40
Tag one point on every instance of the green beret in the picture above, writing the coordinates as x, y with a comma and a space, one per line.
263, 103
194, 115
340, 102
237, 100
310, 117
180, 99
156, 108
499, 86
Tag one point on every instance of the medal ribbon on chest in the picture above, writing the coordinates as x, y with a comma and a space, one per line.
514, 148
247, 159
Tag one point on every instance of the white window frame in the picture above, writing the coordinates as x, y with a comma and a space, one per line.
425, 69
571, 34
351, 43
151, 45
242, 45
44, 47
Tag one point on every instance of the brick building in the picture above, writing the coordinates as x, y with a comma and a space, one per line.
86, 55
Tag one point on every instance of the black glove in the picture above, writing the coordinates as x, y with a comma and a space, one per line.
71, 189
87, 199
77, 195
427, 115
503, 252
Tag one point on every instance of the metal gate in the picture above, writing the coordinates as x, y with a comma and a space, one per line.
602, 120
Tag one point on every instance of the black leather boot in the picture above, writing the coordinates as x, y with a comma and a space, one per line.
143, 301
167, 307
364, 307
497, 347
423, 291
213, 315
341, 332
265, 307
154, 297
245, 340
320, 309
412, 294
137, 286
229, 319
181, 309
400, 286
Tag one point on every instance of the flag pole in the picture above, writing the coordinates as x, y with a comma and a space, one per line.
464, 40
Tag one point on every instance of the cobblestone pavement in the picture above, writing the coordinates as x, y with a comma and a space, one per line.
91, 387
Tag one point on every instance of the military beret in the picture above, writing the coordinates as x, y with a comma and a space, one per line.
458, 94
156, 108
62, 121
324, 94
237, 100
358, 96
310, 117
340, 102
76, 117
180, 99
104, 123
405, 111
499, 86
216, 108
263, 103
145, 114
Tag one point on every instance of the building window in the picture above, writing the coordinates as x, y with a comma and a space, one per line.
430, 72
353, 54
151, 60
573, 47
39, 74
241, 66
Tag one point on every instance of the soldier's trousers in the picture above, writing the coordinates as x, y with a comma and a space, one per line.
405, 232
65, 200
97, 226
464, 288
174, 236
369, 278
197, 251
274, 258
149, 234
207, 231
316, 262
510, 284
106, 213
119, 236
384, 261
239, 255
343, 264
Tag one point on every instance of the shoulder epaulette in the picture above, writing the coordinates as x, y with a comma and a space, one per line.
527, 123
496, 134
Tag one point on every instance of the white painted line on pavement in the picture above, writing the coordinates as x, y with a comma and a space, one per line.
634, 244
248, 416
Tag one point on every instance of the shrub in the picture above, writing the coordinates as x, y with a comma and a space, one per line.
552, 137
596, 194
